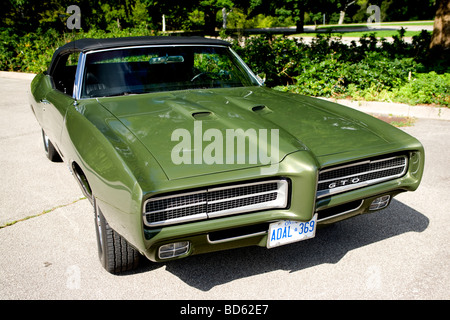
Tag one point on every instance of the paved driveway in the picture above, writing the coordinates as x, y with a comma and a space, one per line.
399, 253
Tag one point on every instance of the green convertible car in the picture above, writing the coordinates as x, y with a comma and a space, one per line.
182, 150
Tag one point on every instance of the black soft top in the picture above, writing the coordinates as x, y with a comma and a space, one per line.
88, 44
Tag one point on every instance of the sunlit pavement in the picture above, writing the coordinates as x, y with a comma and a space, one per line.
397, 253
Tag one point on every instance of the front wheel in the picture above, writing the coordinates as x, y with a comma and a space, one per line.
115, 253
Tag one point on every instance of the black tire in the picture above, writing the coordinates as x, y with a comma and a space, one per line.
115, 253
49, 149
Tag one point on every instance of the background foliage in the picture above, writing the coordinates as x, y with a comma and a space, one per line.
26, 16
31, 30
391, 71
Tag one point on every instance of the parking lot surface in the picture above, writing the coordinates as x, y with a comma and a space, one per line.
49, 251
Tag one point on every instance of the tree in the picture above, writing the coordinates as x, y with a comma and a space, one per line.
27, 15
283, 9
342, 13
440, 39
210, 8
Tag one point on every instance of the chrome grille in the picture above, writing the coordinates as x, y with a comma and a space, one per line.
360, 174
215, 202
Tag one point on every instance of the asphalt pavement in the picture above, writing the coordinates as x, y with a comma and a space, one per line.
48, 247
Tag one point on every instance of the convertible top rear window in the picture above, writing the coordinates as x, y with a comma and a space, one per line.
159, 68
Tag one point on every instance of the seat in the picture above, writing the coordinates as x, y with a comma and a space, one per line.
93, 84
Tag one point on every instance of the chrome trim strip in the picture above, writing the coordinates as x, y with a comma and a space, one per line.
158, 46
178, 207
79, 76
245, 236
360, 163
280, 202
176, 195
195, 217
255, 207
328, 192
244, 185
340, 214
361, 173
246, 67
345, 166
242, 197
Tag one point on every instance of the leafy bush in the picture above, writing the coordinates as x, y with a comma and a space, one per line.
32, 52
369, 70
7, 52
429, 87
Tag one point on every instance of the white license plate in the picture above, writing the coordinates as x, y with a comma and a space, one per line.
286, 231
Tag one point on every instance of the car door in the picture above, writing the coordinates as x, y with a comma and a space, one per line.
60, 98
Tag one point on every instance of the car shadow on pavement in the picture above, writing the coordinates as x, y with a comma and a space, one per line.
330, 245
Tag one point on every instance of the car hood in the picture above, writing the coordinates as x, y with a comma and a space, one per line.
192, 132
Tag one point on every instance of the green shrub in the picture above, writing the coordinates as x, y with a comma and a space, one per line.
370, 70
32, 52
7, 48
430, 88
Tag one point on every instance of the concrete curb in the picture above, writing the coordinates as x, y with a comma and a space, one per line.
396, 109
373, 107
17, 75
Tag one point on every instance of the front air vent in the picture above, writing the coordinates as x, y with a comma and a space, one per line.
203, 115
261, 109
215, 202
360, 174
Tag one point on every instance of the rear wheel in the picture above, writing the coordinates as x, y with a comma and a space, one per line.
115, 253
49, 149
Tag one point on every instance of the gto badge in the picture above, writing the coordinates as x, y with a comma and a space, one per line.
343, 182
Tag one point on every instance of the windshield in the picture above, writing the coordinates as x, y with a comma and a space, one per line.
152, 69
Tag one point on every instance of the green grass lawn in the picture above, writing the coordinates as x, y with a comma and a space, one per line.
384, 24
413, 23
359, 34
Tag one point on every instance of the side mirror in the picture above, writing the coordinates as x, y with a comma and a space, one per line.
261, 77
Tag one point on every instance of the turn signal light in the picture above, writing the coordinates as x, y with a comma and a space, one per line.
380, 203
172, 250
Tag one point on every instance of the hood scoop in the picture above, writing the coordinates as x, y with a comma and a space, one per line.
203, 115
177, 125
261, 109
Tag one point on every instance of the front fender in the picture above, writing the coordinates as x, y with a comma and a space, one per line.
115, 164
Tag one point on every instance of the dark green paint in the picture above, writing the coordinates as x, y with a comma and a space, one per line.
123, 146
